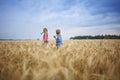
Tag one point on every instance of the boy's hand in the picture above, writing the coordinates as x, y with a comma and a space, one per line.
54, 37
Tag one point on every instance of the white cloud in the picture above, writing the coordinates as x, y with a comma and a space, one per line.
30, 16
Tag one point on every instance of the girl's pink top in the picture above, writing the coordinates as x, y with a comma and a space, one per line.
45, 37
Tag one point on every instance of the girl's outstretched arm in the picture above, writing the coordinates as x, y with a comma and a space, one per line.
41, 33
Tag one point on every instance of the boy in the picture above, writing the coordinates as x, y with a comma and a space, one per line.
58, 38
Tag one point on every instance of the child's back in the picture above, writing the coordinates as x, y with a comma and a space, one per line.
45, 37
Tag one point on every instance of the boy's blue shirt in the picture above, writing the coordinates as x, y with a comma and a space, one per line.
59, 40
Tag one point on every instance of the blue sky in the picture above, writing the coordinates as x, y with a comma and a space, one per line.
25, 19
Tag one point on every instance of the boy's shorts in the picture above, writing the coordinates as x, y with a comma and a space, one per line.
58, 44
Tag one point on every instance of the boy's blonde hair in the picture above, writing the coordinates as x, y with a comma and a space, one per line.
45, 30
58, 31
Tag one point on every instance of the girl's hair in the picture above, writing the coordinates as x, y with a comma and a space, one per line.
45, 30
57, 31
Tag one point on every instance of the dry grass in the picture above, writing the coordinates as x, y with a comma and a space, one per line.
75, 60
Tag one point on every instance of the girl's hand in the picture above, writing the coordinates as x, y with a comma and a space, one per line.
41, 33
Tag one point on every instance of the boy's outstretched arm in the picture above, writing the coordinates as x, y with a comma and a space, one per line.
54, 37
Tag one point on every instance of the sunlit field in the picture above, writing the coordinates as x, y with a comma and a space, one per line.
74, 60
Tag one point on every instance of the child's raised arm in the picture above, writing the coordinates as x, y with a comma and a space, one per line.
41, 33
54, 37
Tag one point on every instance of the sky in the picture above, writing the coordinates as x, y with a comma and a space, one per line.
25, 19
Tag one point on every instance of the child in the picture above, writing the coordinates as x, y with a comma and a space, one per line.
45, 35
58, 38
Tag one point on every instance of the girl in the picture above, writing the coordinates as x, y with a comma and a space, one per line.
45, 35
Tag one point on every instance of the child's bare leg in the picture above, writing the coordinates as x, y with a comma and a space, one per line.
58, 47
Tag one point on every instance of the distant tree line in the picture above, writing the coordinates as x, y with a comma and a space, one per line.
97, 37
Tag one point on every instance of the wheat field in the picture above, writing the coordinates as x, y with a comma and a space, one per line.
74, 60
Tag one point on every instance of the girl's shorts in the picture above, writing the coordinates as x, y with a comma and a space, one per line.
45, 41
